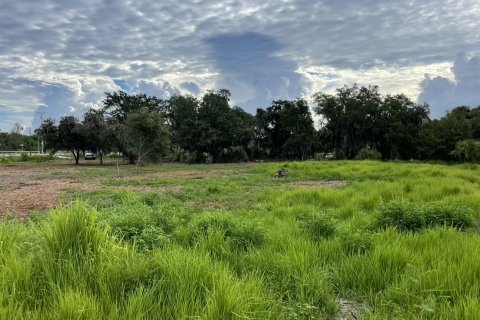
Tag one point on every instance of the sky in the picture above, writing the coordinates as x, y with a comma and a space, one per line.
58, 57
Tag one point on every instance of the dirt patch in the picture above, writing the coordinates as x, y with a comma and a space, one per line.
318, 184
144, 188
349, 309
183, 174
24, 188
214, 204
39, 195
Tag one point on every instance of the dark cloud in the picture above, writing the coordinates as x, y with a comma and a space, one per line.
249, 64
191, 86
83, 45
443, 94
58, 101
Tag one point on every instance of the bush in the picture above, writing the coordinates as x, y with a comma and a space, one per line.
356, 243
456, 216
318, 226
151, 237
137, 220
24, 156
368, 154
467, 150
241, 234
406, 216
207, 158
233, 154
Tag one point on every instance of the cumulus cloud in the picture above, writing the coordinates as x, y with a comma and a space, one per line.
249, 64
442, 93
61, 101
81, 46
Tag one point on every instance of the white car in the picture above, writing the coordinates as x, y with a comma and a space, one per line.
89, 155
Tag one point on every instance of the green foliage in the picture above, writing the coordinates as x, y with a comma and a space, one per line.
137, 220
72, 136
407, 216
234, 154
467, 150
359, 116
318, 226
440, 136
286, 129
237, 244
368, 154
146, 135
358, 242
239, 233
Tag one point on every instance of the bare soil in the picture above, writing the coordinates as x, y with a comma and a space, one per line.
25, 187
349, 309
22, 188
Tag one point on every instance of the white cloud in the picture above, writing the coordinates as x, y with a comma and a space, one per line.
82, 46
463, 88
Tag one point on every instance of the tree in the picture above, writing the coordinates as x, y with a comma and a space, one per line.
467, 150
146, 135
72, 136
49, 131
182, 115
350, 116
439, 136
17, 128
286, 129
397, 130
120, 104
99, 133
360, 117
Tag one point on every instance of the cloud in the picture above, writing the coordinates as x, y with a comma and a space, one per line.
61, 101
191, 86
249, 64
82, 46
443, 94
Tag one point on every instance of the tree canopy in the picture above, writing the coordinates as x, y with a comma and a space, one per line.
355, 122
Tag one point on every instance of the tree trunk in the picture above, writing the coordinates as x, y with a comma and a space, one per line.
101, 157
77, 156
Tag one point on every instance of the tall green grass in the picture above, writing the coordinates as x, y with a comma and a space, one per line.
399, 239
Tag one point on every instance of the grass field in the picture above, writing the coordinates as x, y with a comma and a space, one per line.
380, 240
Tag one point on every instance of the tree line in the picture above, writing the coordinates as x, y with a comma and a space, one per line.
356, 122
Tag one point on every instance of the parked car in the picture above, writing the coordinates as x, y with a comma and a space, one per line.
89, 155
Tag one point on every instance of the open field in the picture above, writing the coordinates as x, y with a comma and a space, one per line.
334, 240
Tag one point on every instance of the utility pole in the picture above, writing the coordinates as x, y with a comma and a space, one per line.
30, 140
40, 146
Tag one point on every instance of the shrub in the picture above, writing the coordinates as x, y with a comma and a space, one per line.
368, 153
318, 226
138, 220
456, 216
24, 156
401, 215
356, 243
406, 216
467, 150
240, 233
233, 154
151, 237
207, 158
